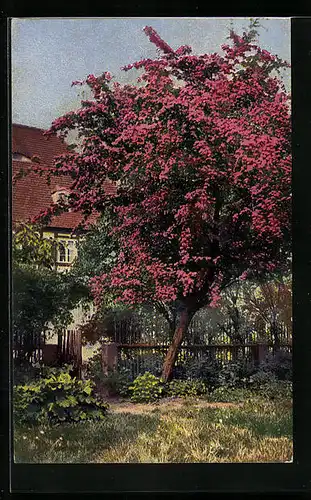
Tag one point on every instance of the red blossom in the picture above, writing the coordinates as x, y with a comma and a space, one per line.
203, 169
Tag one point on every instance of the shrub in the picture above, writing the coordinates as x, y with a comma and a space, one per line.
280, 364
115, 383
94, 369
277, 389
203, 368
229, 395
214, 373
235, 373
262, 388
146, 388
57, 398
261, 378
25, 372
186, 388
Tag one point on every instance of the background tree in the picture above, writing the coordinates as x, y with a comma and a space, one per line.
41, 295
200, 151
258, 311
270, 304
235, 322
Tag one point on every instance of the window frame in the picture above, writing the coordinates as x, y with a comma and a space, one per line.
69, 247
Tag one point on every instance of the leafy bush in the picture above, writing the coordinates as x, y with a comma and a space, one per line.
184, 388
280, 364
261, 378
203, 368
234, 374
116, 382
57, 398
214, 374
273, 389
229, 395
24, 371
94, 369
277, 389
146, 388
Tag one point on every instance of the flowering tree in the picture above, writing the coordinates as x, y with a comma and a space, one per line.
199, 149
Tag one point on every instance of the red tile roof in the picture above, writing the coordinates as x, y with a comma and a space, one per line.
31, 194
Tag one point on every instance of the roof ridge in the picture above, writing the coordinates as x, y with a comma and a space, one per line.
28, 126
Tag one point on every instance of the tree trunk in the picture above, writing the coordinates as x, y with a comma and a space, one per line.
275, 336
183, 319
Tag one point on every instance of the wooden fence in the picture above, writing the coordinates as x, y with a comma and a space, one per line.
34, 349
138, 358
28, 347
70, 349
149, 327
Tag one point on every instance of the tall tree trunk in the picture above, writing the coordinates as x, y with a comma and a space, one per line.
275, 336
183, 319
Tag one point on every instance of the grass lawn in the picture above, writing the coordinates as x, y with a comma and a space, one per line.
257, 430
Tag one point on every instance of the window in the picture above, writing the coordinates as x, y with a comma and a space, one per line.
60, 196
65, 251
20, 157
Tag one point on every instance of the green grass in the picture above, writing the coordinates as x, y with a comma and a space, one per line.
256, 431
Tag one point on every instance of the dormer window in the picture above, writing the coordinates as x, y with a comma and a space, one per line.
60, 196
20, 157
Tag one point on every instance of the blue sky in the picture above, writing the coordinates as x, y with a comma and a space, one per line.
49, 53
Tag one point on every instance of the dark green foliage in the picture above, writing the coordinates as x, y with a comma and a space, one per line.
235, 373
186, 388
94, 369
266, 389
202, 368
146, 388
115, 383
260, 378
276, 389
118, 383
231, 394
25, 372
97, 252
280, 364
214, 373
41, 295
57, 398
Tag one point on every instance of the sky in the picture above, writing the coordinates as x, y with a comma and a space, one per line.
48, 54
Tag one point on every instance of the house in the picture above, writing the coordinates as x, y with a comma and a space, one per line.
32, 194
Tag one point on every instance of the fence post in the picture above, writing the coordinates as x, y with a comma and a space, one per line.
109, 357
50, 354
262, 352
